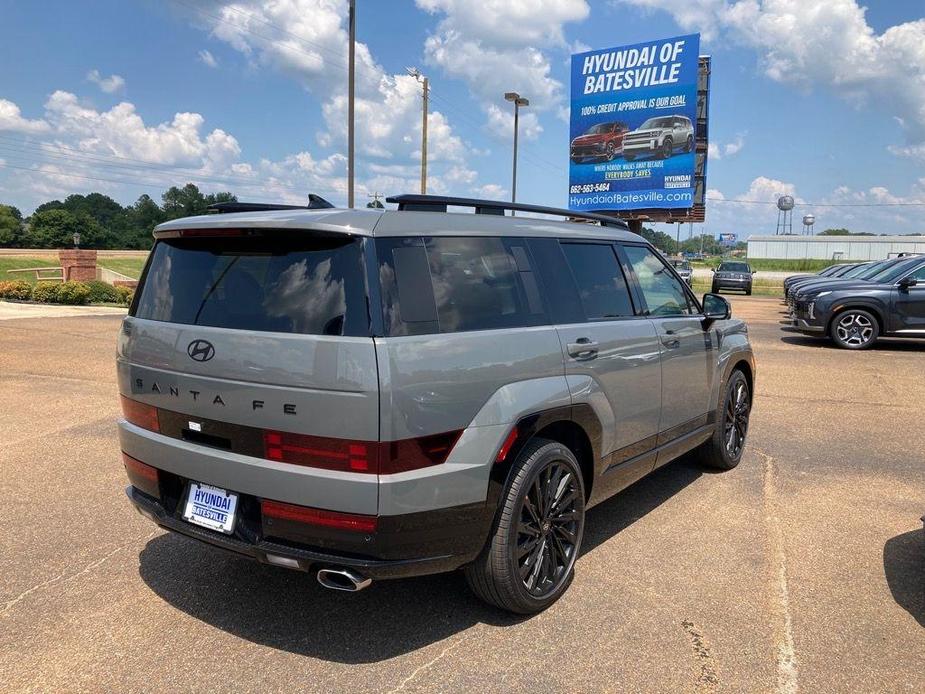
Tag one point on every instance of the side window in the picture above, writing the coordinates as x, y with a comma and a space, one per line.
919, 274
482, 283
601, 285
663, 293
404, 279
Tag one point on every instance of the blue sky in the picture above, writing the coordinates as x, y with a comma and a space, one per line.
818, 98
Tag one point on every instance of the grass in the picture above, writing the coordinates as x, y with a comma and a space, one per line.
701, 288
130, 267
804, 265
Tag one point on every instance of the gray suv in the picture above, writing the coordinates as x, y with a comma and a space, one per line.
370, 394
660, 136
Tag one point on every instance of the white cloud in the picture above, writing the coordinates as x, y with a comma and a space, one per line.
11, 119
822, 42
206, 57
110, 85
716, 150
496, 46
501, 123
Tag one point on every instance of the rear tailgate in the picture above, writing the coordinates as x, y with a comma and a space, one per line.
240, 340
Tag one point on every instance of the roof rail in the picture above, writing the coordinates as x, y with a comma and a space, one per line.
439, 203
315, 202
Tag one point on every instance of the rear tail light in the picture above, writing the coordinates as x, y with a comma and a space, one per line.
141, 475
371, 457
140, 414
315, 516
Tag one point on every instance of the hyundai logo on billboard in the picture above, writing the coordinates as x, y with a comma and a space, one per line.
633, 126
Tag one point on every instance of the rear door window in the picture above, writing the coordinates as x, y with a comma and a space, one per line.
276, 282
601, 285
452, 284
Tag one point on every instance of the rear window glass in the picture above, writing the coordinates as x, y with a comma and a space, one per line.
601, 285
291, 283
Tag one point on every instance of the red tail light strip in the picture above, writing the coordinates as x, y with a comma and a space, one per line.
140, 414
387, 457
315, 516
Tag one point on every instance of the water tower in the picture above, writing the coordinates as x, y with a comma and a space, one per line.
785, 214
808, 221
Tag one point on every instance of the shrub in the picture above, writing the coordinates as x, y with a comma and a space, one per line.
44, 292
15, 289
103, 293
74, 293
125, 295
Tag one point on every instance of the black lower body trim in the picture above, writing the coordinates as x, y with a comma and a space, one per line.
311, 559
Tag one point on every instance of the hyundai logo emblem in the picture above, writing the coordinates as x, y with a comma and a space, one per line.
200, 350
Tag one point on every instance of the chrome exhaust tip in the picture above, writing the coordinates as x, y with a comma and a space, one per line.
343, 579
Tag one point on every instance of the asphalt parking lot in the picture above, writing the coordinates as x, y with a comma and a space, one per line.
803, 569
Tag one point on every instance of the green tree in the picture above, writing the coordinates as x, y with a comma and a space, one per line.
143, 216
189, 200
659, 239
55, 228
11, 231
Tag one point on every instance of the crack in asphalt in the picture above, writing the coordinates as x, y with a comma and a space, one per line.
428, 664
66, 577
787, 671
707, 680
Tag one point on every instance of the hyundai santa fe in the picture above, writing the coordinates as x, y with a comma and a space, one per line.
369, 395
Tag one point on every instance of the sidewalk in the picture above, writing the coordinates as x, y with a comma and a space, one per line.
10, 311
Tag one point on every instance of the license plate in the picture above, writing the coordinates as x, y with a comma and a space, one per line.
211, 507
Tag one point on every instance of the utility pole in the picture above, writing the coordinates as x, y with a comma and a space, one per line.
414, 72
518, 102
351, 88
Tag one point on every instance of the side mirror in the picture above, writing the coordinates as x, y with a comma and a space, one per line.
907, 282
716, 307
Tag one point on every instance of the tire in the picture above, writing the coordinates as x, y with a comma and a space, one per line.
714, 289
611, 151
854, 328
667, 149
735, 408
748, 292
689, 145
530, 583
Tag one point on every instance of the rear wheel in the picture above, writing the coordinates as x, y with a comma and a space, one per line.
689, 146
528, 562
854, 329
724, 449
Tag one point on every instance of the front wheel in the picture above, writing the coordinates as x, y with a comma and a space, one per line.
714, 289
854, 329
611, 151
529, 560
667, 149
724, 449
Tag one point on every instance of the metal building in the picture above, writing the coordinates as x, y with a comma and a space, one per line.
833, 247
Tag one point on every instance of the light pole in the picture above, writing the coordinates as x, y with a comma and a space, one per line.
518, 102
351, 88
414, 72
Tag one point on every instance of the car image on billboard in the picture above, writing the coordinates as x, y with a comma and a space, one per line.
632, 126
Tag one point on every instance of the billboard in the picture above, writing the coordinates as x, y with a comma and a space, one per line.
633, 126
727, 239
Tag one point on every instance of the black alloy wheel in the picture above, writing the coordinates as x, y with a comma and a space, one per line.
611, 151
690, 144
529, 559
735, 418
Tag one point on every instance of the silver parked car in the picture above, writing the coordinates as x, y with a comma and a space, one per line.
660, 136
370, 394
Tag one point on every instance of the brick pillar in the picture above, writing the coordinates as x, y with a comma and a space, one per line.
78, 264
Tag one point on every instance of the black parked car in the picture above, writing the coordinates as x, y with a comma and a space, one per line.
830, 271
735, 275
855, 313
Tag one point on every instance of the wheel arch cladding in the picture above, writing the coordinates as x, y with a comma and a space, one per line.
573, 436
746, 369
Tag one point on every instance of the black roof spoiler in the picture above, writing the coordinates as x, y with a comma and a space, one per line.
439, 203
315, 202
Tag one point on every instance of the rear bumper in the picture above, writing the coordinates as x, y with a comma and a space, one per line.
440, 546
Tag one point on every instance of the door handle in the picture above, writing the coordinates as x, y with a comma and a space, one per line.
670, 341
582, 348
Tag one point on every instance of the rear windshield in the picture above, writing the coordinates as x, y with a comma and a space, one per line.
289, 283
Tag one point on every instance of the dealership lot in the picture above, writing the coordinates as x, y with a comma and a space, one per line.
803, 568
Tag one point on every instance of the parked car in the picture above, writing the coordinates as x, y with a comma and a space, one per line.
831, 271
601, 141
660, 136
369, 394
683, 268
735, 275
855, 313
